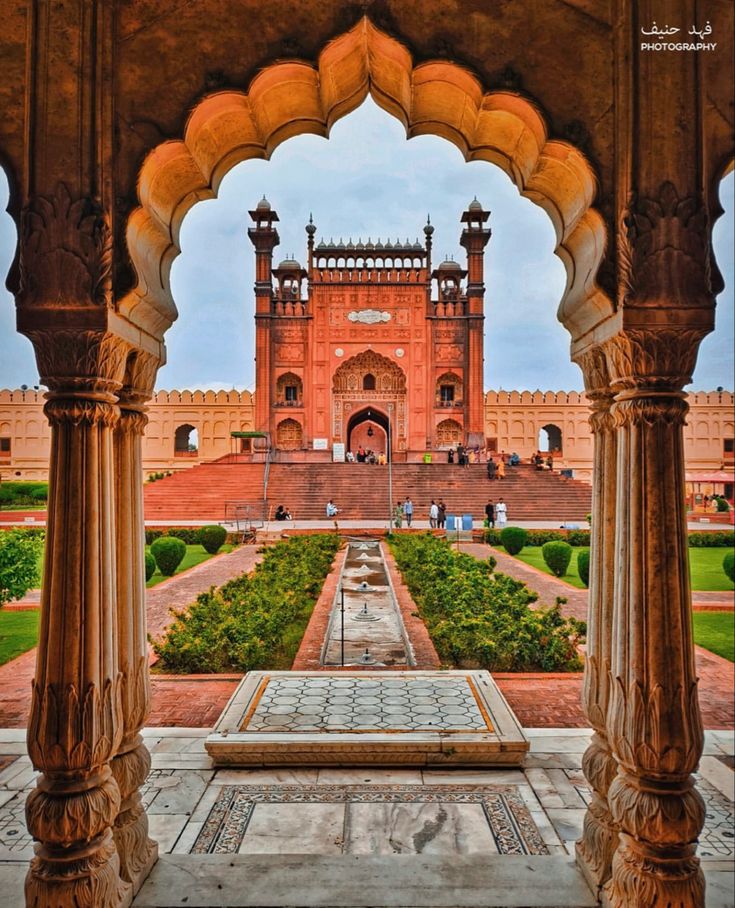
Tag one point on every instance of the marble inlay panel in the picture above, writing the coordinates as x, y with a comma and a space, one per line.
378, 819
352, 704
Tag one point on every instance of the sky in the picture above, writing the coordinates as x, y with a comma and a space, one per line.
367, 180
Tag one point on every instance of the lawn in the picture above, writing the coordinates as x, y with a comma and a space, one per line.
531, 554
18, 632
705, 565
195, 554
715, 631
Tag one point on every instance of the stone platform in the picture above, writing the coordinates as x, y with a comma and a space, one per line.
363, 718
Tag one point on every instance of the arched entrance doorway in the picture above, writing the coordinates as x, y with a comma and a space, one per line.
370, 429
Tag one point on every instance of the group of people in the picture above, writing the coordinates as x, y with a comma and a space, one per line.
405, 510
363, 456
542, 463
282, 513
496, 513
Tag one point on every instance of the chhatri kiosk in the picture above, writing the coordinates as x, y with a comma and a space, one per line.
354, 350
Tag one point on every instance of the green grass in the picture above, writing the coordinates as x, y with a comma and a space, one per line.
195, 554
18, 632
706, 568
531, 554
705, 565
715, 631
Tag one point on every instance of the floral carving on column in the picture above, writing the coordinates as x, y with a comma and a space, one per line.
664, 249
600, 835
66, 251
75, 724
653, 722
132, 763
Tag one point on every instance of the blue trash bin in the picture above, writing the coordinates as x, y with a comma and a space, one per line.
467, 521
451, 523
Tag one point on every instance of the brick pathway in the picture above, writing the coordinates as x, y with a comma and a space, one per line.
176, 701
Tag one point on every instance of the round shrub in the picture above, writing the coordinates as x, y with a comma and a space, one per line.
722, 504
728, 565
212, 537
169, 553
40, 494
557, 556
150, 566
513, 539
583, 566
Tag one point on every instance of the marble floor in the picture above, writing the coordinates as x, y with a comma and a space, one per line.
446, 818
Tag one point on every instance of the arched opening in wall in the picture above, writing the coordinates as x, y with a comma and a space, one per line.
550, 439
289, 390
289, 435
449, 434
369, 430
368, 382
186, 441
449, 390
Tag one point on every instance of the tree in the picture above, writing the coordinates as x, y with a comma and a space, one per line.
20, 551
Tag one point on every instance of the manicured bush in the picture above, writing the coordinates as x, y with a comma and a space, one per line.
583, 566
169, 553
150, 566
478, 618
557, 556
212, 537
255, 621
188, 535
151, 535
39, 494
513, 539
712, 538
722, 504
728, 565
14, 494
20, 551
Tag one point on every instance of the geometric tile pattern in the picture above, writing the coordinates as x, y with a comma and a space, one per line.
358, 704
509, 826
717, 839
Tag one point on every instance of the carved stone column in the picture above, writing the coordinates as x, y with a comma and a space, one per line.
654, 724
75, 724
137, 852
600, 835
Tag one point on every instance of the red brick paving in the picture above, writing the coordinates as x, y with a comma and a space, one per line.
308, 657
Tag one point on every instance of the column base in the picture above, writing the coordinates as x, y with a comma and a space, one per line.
141, 873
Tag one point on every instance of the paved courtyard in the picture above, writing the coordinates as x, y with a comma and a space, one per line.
442, 816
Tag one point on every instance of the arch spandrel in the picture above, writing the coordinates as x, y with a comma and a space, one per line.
437, 97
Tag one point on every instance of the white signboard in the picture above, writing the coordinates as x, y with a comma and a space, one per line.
338, 452
321, 444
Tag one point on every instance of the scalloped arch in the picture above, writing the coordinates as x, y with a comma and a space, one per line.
295, 97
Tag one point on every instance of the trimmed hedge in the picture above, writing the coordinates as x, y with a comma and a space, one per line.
19, 494
728, 565
513, 539
697, 538
481, 619
557, 556
189, 535
256, 621
150, 566
212, 538
583, 566
169, 553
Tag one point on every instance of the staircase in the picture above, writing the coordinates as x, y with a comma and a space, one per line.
360, 491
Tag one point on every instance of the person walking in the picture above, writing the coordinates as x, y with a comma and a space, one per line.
434, 515
398, 515
442, 518
490, 514
492, 469
501, 469
450, 455
408, 511
501, 513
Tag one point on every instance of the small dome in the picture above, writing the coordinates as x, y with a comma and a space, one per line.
449, 265
289, 264
263, 205
475, 205
311, 226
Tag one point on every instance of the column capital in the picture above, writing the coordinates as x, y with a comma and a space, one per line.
645, 362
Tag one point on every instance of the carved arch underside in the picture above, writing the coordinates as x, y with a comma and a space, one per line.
385, 375
296, 97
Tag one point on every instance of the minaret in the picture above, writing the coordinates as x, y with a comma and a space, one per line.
475, 237
264, 238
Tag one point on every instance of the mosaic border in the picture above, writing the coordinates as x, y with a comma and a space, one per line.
509, 819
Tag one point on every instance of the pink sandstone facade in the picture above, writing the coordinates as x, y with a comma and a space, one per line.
513, 421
